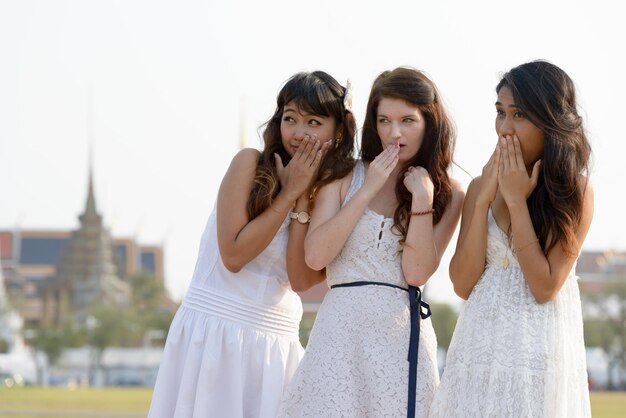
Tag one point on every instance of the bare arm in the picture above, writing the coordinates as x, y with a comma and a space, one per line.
301, 276
468, 261
545, 275
425, 244
240, 239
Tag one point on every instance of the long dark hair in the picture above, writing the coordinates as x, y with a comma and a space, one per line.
546, 94
316, 93
435, 153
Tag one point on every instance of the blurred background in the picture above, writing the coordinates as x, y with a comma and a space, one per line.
118, 120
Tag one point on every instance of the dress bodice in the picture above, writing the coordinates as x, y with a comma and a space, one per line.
262, 280
498, 248
371, 247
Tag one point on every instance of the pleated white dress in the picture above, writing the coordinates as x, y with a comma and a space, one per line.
510, 356
233, 345
356, 362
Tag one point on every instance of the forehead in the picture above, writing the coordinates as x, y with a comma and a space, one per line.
505, 96
392, 105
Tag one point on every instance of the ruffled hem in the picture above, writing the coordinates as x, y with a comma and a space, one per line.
504, 392
215, 367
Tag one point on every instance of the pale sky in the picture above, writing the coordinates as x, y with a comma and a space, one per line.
170, 83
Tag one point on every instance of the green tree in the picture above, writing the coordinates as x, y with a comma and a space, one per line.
51, 340
605, 326
444, 321
151, 307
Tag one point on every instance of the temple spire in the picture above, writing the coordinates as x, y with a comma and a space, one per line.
243, 138
91, 210
90, 206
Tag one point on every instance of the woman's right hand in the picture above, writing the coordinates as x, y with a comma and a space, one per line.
299, 174
380, 168
489, 179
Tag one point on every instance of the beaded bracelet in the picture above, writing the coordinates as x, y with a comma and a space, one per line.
424, 212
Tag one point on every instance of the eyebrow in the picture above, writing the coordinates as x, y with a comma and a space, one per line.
511, 105
405, 116
301, 112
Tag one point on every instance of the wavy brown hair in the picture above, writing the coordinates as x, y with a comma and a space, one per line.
435, 153
547, 95
317, 93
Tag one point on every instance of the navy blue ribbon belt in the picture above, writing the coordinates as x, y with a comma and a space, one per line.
419, 309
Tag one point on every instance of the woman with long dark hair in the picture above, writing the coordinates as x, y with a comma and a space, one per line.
380, 233
518, 349
233, 345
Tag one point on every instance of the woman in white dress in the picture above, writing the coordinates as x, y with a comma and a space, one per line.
518, 349
233, 345
380, 233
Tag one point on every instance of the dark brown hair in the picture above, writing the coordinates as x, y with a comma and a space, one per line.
546, 94
435, 153
317, 93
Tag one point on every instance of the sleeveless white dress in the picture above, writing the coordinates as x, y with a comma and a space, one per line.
355, 364
510, 356
233, 345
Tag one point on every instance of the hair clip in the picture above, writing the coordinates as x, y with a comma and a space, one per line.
347, 97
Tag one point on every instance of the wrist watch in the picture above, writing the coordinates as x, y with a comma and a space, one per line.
302, 217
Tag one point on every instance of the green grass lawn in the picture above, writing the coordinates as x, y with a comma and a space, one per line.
30, 402
33, 402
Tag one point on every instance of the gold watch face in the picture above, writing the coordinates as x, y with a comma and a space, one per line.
303, 217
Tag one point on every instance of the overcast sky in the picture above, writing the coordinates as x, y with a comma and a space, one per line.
171, 83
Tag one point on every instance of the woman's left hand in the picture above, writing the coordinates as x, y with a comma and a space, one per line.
418, 182
513, 181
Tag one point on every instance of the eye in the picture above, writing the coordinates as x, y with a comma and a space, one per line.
383, 120
408, 120
499, 112
519, 114
315, 122
288, 119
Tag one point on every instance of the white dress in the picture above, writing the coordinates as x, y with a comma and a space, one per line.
355, 364
233, 345
510, 356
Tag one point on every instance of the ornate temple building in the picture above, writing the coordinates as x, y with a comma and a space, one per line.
52, 276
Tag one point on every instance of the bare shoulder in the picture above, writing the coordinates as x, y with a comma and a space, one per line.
457, 188
472, 189
458, 194
247, 157
241, 171
585, 184
588, 197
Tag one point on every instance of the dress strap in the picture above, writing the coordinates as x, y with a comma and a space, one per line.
419, 310
358, 176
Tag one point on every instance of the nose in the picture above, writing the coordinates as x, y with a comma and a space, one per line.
395, 130
300, 132
505, 127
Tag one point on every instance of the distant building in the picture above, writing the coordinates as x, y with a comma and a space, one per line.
52, 275
597, 268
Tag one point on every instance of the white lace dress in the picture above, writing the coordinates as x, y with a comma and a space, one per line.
355, 364
510, 356
233, 345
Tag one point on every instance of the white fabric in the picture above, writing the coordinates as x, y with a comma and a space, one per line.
233, 345
510, 356
356, 361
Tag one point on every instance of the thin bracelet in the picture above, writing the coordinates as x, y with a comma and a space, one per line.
424, 212
518, 249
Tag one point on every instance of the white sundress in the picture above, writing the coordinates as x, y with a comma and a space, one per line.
233, 345
356, 363
510, 356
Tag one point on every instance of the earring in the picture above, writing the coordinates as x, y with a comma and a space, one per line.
337, 141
